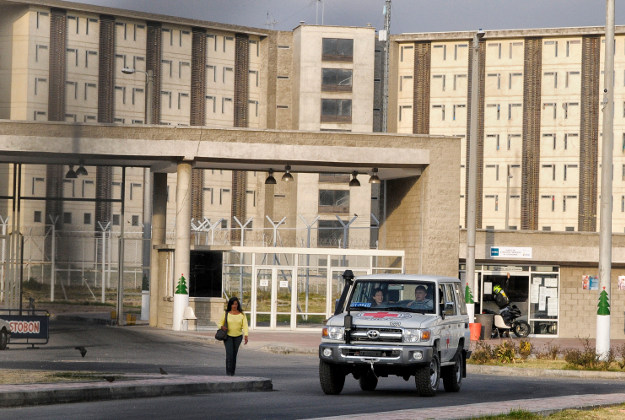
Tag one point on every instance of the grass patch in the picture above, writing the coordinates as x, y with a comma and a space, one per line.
616, 412
23, 376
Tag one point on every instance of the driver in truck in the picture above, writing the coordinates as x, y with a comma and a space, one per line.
420, 299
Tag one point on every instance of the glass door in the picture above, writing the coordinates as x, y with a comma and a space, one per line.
274, 304
262, 302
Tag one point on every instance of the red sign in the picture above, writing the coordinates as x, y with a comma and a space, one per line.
381, 315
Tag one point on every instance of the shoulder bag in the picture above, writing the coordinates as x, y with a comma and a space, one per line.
221, 334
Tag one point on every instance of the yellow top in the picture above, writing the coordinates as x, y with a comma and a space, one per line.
237, 324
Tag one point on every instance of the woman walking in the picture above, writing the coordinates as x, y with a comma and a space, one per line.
236, 330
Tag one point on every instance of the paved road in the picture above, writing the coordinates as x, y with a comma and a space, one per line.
296, 388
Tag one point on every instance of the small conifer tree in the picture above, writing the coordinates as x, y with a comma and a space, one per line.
181, 289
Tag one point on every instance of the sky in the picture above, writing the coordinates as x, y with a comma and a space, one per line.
406, 15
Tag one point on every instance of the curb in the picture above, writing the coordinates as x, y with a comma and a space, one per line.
510, 371
42, 394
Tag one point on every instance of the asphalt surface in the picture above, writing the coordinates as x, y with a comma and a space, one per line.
139, 385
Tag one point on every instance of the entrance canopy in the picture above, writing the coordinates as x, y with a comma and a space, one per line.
162, 147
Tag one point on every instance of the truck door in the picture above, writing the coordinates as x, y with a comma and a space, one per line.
453, 323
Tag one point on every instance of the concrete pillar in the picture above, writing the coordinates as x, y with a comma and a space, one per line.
159, 225
183, 243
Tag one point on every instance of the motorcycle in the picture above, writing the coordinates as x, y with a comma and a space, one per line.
506, 320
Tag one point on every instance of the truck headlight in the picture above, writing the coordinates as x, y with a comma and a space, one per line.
413, 335
333, 333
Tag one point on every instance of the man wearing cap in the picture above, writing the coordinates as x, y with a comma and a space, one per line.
420, 300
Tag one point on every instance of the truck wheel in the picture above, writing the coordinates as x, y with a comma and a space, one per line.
331, 377
4, 339
368, 381
427, 378
521, 329
452, 375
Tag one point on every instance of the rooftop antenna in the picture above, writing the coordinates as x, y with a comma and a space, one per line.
270, 23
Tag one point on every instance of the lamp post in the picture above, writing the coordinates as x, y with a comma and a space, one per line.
147, 176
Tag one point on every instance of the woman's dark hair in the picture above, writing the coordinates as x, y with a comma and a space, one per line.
231, 301
376, 290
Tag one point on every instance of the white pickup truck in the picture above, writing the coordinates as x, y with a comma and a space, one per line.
396, 324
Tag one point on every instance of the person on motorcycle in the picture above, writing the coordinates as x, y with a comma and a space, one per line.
501, 299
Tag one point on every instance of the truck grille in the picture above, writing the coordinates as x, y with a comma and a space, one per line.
376, 335
347, 352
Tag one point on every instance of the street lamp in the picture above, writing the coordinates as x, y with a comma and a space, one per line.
147, 176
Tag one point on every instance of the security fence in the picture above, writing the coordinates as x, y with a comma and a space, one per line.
50, 264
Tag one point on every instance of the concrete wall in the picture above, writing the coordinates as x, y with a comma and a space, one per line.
421, 213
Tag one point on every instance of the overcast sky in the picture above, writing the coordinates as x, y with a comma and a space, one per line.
406, 16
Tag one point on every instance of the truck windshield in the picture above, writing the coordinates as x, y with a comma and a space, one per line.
409, 296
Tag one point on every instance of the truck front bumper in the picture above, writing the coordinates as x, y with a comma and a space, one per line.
341, 353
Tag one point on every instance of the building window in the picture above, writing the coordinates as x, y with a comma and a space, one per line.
116, 220
552, 198
336, 110
86, 219
442, 79
497, 77
222, 194
403, 108
497, 46
209, 99
330, 233
463, 106
442, 108
457, 79
333, 201
333, 80
404, 48
553, 170
67, 218
37, 216
337, 49
134, 220
495, 137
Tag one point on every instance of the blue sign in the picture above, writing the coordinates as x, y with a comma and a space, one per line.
494, 252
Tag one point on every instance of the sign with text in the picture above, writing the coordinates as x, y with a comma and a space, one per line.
27, 327
510, 252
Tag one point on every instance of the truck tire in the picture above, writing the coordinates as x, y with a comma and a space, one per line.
4, 339
427, 378
452, 375
521, 329
368, 381
331, 377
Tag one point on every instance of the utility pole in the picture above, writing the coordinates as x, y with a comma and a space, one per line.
508, 177
472, 167
387, 44
605, 230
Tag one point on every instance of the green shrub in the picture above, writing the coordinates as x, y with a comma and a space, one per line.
525, 349
551, 353
506, 352
482, 354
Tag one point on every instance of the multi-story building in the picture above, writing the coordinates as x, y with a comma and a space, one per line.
64, 62
539, 115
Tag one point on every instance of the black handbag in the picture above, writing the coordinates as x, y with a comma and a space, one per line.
221, 334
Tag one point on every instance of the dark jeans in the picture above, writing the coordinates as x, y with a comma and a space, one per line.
232, 348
